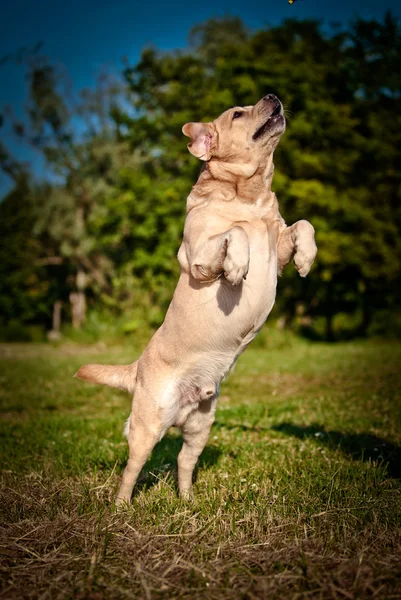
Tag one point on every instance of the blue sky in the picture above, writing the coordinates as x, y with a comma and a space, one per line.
87, 35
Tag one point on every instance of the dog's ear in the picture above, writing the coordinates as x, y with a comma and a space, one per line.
201, 135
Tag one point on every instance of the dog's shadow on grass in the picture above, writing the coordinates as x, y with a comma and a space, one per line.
162, 463
239, 426
359, 446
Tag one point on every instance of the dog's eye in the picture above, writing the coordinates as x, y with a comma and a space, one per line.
237, 114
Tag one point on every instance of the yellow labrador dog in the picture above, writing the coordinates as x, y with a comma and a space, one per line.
235, 244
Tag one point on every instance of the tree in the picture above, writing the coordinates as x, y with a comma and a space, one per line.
24, 289
80, 147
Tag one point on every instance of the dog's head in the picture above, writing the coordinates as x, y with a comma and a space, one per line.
241, 135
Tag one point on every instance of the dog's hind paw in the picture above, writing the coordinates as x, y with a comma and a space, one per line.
121, 504
186, 495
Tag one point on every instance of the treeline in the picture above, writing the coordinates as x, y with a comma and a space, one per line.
97, 243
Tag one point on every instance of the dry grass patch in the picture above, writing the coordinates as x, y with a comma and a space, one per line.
71, 544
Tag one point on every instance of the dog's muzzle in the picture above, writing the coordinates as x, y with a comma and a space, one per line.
275, 120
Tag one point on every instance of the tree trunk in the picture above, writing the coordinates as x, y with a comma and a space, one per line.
54, 335
57, 316
78, 309
78, 301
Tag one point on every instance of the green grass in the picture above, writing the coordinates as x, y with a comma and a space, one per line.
297, 494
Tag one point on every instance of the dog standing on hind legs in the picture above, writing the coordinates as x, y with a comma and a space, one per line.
235, 244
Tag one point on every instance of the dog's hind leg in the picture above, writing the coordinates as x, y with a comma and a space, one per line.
141, 441
145, 429
195, 432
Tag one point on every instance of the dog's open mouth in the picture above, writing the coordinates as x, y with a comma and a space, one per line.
274, 118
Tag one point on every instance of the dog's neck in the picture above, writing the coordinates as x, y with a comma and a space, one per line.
228, 181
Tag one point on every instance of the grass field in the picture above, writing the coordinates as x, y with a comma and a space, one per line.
297, 494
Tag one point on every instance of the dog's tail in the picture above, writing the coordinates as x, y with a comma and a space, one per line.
122, 377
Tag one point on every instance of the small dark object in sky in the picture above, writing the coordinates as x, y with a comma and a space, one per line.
291, 1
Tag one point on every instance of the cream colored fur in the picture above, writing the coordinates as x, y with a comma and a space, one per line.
234, 245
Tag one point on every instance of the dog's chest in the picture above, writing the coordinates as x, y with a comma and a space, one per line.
259, 288
263, 254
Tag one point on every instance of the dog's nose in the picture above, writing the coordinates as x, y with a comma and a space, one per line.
270, 97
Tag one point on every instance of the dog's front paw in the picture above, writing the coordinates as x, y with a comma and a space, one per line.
304, 260
235, 270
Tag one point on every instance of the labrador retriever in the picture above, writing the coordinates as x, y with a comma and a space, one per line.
235, 244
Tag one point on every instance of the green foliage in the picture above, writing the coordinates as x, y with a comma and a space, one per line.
23, 286
117, 219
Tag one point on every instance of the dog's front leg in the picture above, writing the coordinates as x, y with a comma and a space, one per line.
297, 242
223, 254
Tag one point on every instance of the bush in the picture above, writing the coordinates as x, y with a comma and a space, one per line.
20, 332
